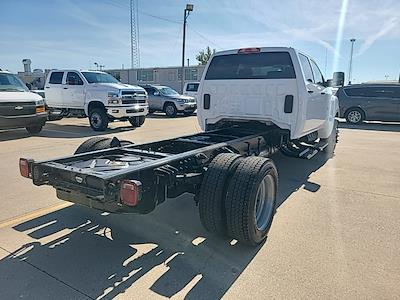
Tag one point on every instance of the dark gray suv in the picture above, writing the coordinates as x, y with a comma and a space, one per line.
369, 102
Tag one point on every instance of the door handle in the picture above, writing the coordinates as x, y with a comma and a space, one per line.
323, 93
47, 87
310, 92
65, 88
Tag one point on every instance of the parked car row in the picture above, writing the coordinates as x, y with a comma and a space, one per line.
93, 94
103, 99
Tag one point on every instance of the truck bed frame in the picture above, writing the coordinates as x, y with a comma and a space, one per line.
165, 169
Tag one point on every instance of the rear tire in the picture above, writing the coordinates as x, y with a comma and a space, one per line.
251, 200
98, 119
137, 121
170, 110
355, 116
34, 129
213, 192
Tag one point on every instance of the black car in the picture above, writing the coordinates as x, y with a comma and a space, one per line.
19, 108
369, 102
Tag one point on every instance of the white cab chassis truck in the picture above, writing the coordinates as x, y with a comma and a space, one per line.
252, 102
96, 95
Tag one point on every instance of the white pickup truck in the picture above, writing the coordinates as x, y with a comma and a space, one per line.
251, 103
96, 95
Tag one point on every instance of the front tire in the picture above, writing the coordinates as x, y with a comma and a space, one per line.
170, 110
355, 116
98, 119
332, 141
34, 129
137, 121
251, 200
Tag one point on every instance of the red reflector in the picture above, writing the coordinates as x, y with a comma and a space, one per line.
249, 50
130, 192
24, 167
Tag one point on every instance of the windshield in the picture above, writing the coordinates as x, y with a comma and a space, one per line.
96, 77
167, 91
264, 65
11, 83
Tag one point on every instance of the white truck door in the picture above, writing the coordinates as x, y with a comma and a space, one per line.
53, 89
73, 91
317, 101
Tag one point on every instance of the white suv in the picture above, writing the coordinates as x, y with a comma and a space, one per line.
97, 95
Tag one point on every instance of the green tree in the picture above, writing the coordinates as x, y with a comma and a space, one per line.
205, 55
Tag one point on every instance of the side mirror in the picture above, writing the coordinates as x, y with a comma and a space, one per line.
338, 79
156, 93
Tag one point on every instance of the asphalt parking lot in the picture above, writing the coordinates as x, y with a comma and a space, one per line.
335, 235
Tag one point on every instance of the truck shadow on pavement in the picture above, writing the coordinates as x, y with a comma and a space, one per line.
164, 254
54, 130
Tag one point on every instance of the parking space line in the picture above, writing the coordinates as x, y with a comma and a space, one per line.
34, 214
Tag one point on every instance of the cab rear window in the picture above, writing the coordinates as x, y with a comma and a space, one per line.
263, 65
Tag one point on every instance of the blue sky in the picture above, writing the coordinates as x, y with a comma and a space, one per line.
75, 34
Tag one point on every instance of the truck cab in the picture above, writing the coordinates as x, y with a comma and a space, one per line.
270, 85
190, 88
97, 95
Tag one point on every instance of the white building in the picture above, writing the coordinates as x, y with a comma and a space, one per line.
170, 76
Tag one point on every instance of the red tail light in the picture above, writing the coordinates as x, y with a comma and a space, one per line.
131, 191
249, 50
24, 167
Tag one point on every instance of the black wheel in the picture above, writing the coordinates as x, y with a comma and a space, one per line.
213, 191
332, 140
34, 129
137, 121
97, 143
98, 119
355, 116
170, 110
251, 200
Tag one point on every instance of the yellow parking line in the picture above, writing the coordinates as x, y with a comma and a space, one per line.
33, 214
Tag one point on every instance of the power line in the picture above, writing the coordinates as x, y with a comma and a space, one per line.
160, 18
121, 5
204, 38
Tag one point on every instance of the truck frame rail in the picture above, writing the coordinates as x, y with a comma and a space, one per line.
152, 171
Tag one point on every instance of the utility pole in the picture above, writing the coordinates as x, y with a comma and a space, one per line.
186, 12
351, 59
135, 56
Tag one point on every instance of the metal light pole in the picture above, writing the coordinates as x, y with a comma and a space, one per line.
186, 12
351, 59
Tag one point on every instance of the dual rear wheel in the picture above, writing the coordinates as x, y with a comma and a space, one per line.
238, 197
